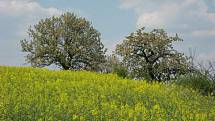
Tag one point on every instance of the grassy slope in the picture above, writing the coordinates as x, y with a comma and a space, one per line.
39, 94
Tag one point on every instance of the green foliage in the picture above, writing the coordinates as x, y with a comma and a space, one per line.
121, 71
67, 41
29, 94
199, 82
150, 55
110, 64
113, 65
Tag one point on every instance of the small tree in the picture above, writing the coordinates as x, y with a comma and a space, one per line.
114, 65
150, 55
110, 64
67, 41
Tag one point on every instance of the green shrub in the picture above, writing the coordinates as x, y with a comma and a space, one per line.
199, 82
121, 71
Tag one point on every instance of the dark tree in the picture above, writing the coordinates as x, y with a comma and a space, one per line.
67, 41
150, 55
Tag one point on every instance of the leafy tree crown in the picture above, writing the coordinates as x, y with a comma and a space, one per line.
67, 41
151, 55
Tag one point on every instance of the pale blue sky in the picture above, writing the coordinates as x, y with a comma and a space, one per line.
194, 20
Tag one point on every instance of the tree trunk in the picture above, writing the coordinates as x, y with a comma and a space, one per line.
65, 67
151, 74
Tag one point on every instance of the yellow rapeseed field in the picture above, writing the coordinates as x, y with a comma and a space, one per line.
28, 94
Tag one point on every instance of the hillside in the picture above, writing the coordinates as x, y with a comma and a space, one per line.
43, 95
